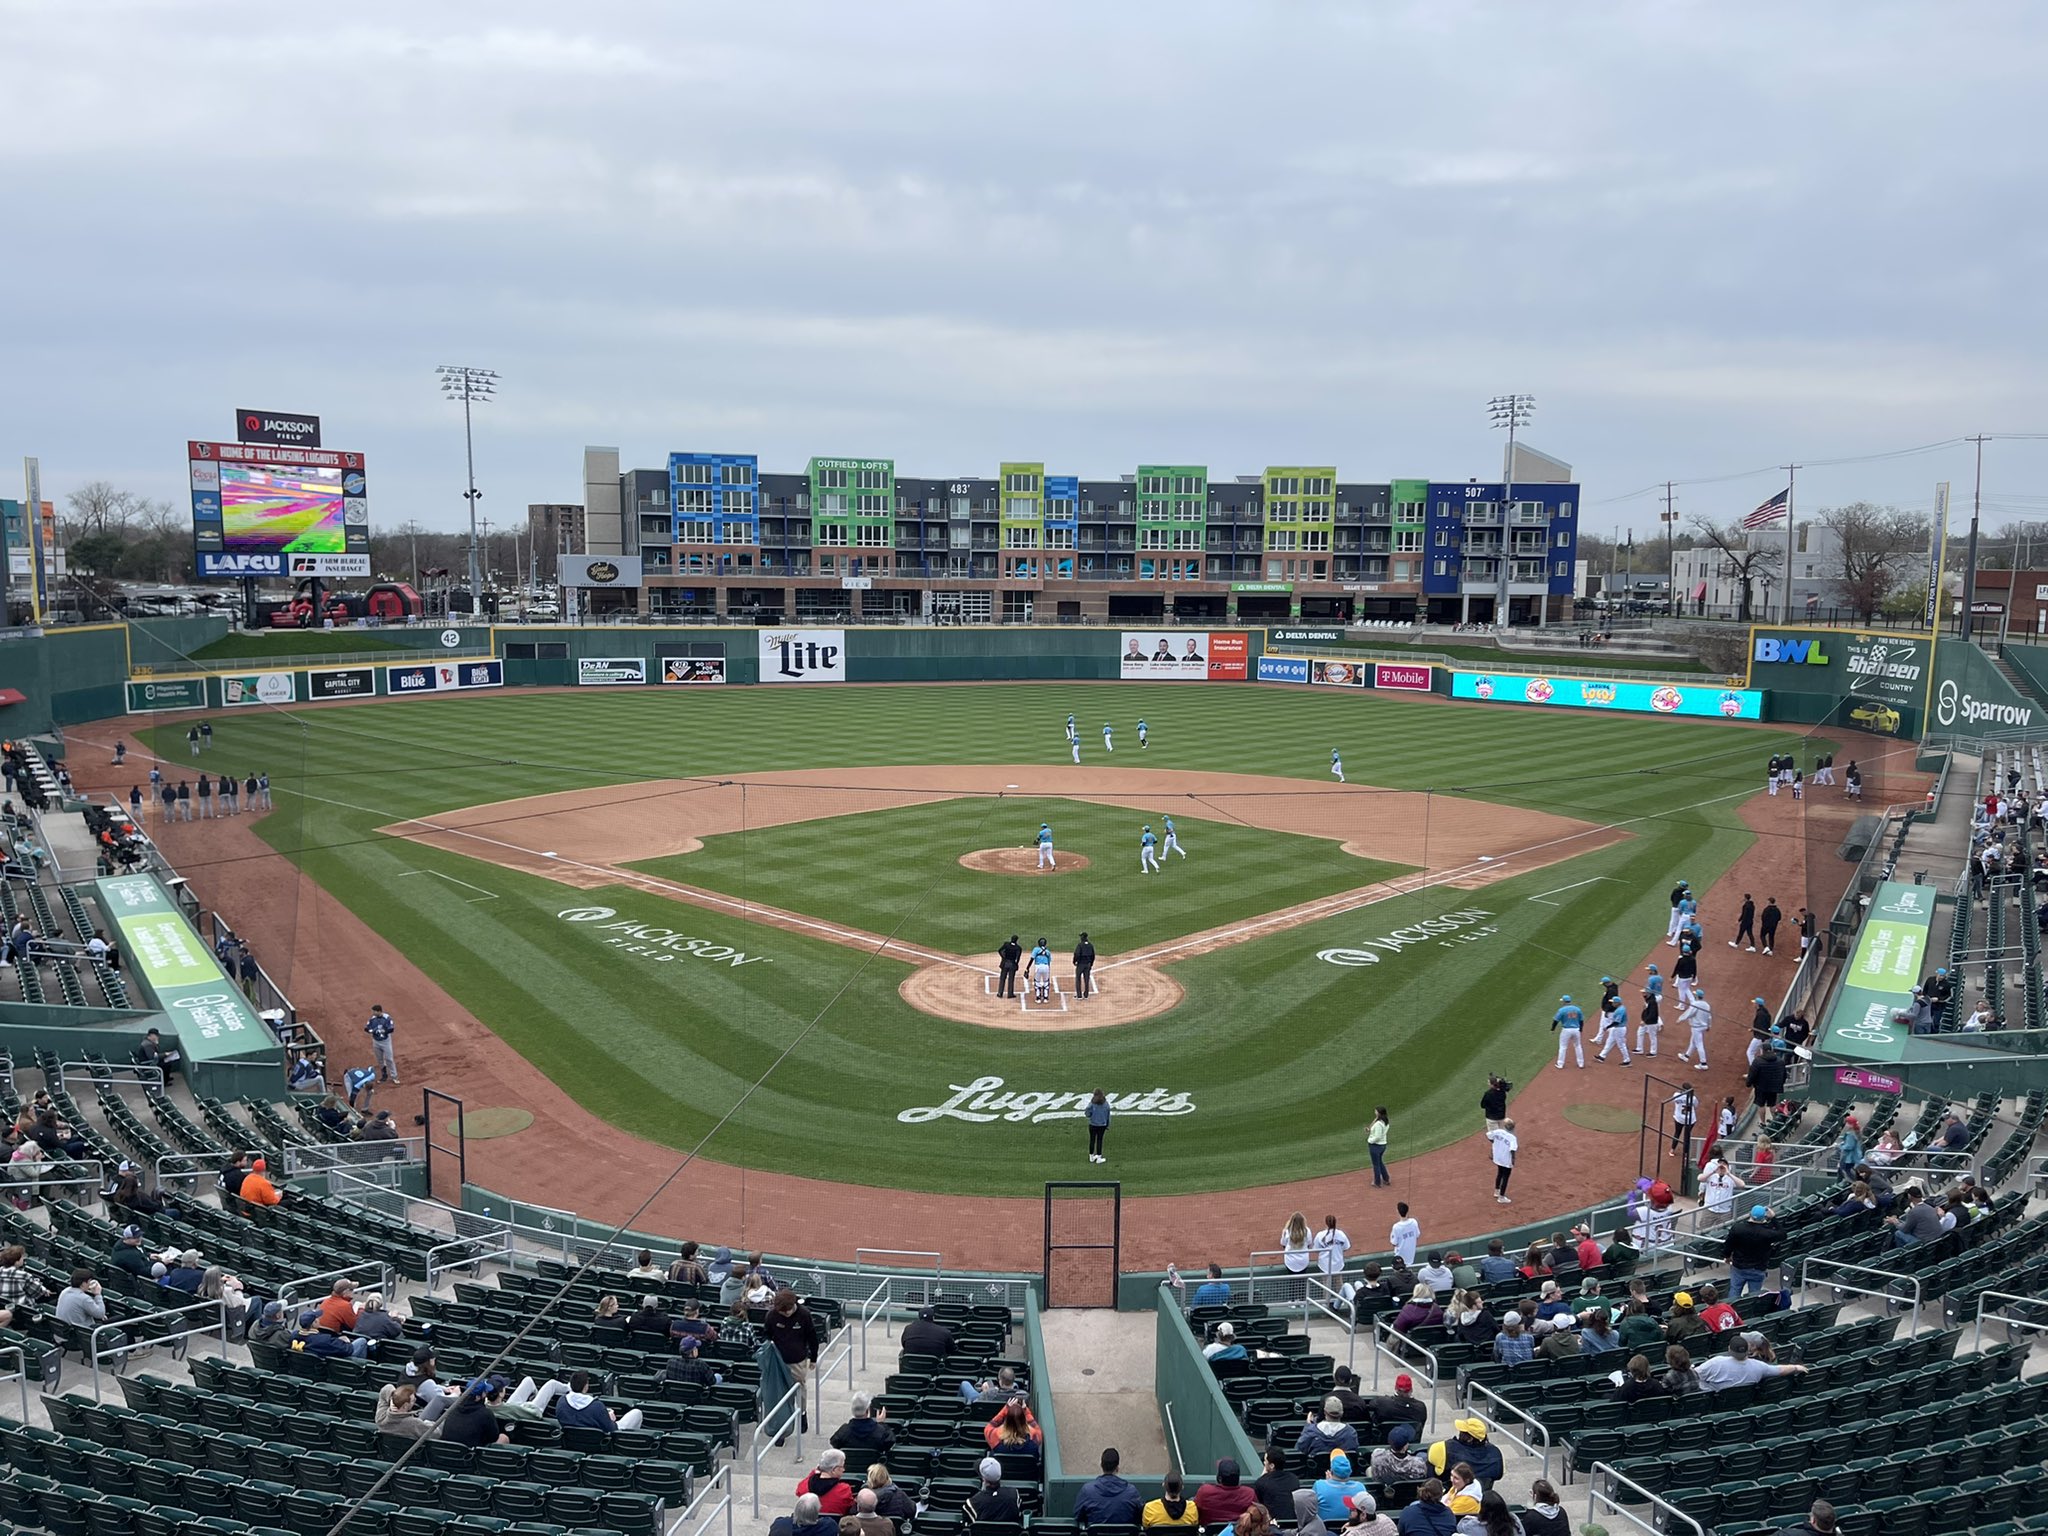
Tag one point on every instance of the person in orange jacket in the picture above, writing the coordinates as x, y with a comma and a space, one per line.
257, 1188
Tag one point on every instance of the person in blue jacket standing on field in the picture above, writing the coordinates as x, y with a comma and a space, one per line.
1098, 1125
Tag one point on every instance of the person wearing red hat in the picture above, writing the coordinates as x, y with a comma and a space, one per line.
1402, 1407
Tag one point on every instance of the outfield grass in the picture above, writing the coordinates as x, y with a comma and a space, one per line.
1277, 1048
898, 872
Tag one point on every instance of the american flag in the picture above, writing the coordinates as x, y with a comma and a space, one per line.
1769, 512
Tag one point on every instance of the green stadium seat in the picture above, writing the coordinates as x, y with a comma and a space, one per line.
114, 1515
1900, 1516
165, 1519
520, 1501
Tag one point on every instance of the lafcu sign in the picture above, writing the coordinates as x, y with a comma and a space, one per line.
1791, 652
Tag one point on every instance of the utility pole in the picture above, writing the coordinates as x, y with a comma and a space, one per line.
1670, 553
472, 386
1791, 524
1970, 560
1512, 412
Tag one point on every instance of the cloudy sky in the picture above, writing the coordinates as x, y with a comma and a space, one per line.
1707, 238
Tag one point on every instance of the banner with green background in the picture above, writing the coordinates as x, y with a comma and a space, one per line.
1890, 959
207, 1012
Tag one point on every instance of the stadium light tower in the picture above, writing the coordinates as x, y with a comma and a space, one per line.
472, 386
1513, 413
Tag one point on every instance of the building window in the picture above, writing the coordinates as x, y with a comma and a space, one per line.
694, 531
1407, 541
1151, 538
1020, 538
1315, 538
1410, 511
1057, 537
1020, 508
693, 474
832, 533
693, 501
739, 474
1442, 567
1020, 482
870, 480
1443, 538
831, 479
871, 535
739, 532
1187, 538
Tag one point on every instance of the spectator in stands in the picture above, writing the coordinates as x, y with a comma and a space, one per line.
21, 1293
1683, 1322
380, 1128
130, 1194
1736, 1367
307, 1073
1717, 1314
1752, 1248
232, 1173
1427, 1516
335, 1118
398, 1411
1468, 1318
1492, 1518
1543, 1515
1357, 1411
739, 1331
1461, 1491
1220, 1502
1596, 1332
218, 1284
1882, 1189
927, 1336
606, 1310
1679, 1378
1403, 1407
1435, 1274
1512, 1345
1109, 1499
271, 1326
828, 1484
1955, 1136
992, 1503
580, 1408
151, 1053
1170, 1510
1856, 1201
1398, 1461
338, 1310
686, 1270
1887, 1149
1468, 1444
644, 1267
867, 1429
1329, 1433
1307, 1522
1637, 1383
694, 1322
1638, 1329
889, 1500
1255, 1521
1557, 1337
1365, 1518
1496, 1268
806, 1519
730, 1278
1014, 1429
1214, 1291
186, 1271
257, 1190
652, 1319
794, 1333
1919, 1222
999, 1388
127, 1254
316, 1337
1276, 1486
54, 1136
1820, 1521
865, 1519
690, 1366
1223, 1345
1332, 1489
79, 1305
1589, 1252
374, 1320
1421, 1310
1551, 1303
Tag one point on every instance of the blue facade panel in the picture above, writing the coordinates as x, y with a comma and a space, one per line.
1443, 531
732, 490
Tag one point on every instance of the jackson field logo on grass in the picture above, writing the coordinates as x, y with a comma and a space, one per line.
1444, 931
980, 1103
660, 945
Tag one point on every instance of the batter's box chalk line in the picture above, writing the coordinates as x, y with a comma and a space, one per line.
1543, 896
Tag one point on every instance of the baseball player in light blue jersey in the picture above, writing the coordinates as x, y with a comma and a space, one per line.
1336, 766
1141, 735
1107, 744
1045, 858
1172, 843
1072, 733
1041, 972
1616, 1017
1075, 743
1148, 853
1570, 1024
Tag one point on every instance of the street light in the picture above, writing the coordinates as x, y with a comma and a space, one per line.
470, 386
1513, 413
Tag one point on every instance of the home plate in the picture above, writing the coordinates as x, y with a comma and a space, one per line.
550, 854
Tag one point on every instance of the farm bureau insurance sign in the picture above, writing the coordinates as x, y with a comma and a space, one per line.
1443, 931
660, 945
803, 655
208, 1013
1886, 965
979, 1102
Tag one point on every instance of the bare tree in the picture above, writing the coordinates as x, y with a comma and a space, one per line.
1876, 547
1747, 564
96, 507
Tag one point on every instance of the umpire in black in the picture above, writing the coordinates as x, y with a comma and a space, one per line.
1084, 966
1010, 955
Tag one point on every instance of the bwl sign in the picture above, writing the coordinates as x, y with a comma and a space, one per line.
980, 1102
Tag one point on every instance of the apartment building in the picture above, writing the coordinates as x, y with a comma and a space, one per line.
851, 538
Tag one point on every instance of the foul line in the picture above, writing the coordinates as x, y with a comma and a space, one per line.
1572, 887
483, 895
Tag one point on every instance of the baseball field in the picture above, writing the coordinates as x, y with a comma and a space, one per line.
658, 895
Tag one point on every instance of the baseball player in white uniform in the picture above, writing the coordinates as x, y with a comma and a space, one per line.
1075, 743
1072, 733
1107, 744
1336, 766
1141, 733
1148, 852
1698, 1016
1045, 858
1172, 843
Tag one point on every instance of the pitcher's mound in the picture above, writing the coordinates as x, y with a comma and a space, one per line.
1020, 861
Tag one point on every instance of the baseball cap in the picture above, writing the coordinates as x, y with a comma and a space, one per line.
126, 1167
1759, 1212
1340, 1464
1512, 1318
1566, 998
1760, 1002
1476, 1428
1682, 1299
1604, 980
687, 1343
130, 1232
1404, 1383
990, 1469
1401, 1436
1362, 1503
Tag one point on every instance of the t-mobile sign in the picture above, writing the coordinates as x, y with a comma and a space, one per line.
1394, 674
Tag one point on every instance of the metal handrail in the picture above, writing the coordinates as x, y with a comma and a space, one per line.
493, 1243
1474, 1388
720, 1478
1977, 1335
20, 1374
191, 1165
137, 1073
876, 1305
1385, 1326
860, 1265
1882, 1294
1172, 1437
327, 1156
796, 1390
1596, 1496
825, 1367
94, 1354
291, 1289
1348, 1317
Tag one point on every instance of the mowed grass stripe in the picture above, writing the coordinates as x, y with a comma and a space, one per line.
1284, 1054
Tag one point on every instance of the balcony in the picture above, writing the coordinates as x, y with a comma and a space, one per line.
1529, 571
1482, 517
1531, 517
1378, 543
1531, 544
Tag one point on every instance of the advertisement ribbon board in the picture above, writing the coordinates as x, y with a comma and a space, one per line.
151, 695
1889, 960
1591, 693
237, 689
1181, 656
207, 1012
610, 671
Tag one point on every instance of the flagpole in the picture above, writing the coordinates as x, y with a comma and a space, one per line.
1791, 523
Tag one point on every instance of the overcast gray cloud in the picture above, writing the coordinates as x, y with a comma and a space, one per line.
1706, 237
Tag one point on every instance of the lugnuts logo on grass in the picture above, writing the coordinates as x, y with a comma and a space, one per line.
980, 1103
650, 942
